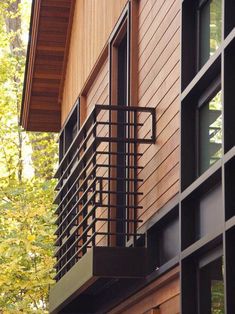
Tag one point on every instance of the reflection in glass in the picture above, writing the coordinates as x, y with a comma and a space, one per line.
210, 29
211, 289
210, 133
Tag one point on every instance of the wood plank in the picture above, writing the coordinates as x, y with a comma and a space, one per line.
159, 156
159, 21
171, 306
160, 54
88, 29
150, 150
161, 290
159, 189
159, 203
159, 27
146, 7
158, 174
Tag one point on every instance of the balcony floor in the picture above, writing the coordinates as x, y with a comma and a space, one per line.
96, 269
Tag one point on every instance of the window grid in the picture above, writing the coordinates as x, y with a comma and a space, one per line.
194, 83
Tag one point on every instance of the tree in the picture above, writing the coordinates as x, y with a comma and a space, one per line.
26, 191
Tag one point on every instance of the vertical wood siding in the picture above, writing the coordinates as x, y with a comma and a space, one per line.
98, 93
92, 25
158, 86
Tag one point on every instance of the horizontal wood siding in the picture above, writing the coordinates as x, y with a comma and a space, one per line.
158, 86
163, 294
92, 25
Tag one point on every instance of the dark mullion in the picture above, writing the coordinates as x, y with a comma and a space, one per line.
183, 84
135, 177
109, 144
94, 187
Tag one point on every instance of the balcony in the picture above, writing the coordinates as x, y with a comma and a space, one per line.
97, 234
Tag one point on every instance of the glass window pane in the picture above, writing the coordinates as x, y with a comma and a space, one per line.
209, 214
210, 133
210, 29
211, 289
168, 241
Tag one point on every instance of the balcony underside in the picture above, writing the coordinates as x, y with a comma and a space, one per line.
80, 286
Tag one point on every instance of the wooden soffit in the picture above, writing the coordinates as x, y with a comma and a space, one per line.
50, 29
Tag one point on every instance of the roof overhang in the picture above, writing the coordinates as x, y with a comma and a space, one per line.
49, 36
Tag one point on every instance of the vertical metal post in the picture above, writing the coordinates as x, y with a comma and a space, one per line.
94, 186
135, 176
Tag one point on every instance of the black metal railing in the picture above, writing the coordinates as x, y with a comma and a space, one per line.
98, 182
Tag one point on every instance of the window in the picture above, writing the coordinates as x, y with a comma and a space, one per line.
163, 239
210, 29
202, 34
168, 241
203, 282
210, 132
210, 212
207, 196
201, 131
119, 95
202, 212
211, 284
69, 131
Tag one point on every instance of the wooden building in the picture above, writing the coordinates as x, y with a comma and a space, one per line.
141, 93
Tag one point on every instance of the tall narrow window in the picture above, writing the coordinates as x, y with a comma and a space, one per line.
210, 132
70, 130
119, 91
211, 287
210, 29
121, 146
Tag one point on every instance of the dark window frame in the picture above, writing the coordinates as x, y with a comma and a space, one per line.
154, 236
205, 98
67, 135
204, 261
195, 84
120, 32
201, 4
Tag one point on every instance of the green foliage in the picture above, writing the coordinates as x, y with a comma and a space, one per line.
26, 247
27, 163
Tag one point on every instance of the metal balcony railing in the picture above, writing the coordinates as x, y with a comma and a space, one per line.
98, 182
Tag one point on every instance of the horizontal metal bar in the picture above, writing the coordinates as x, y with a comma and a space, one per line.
78, 201
84, 206
125, 108
81, 174
119, 192
118, 233
80, 225
76, 140
76, 195
119, 166
72, 257
119, 178
118, 153
119, 219
126, 140
121, 206
76, 241
119, 123
79, 161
